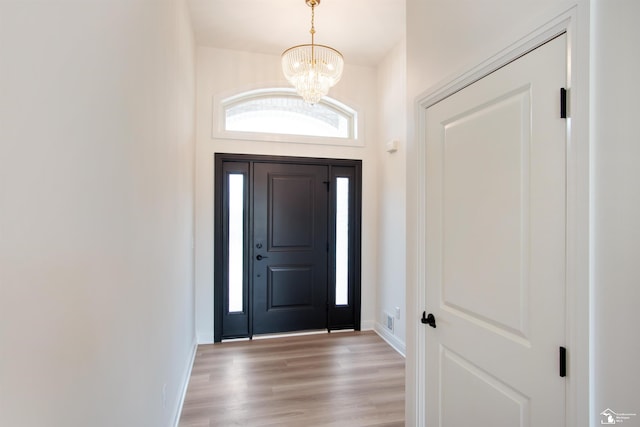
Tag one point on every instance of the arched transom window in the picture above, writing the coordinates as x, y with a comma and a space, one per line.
265, 113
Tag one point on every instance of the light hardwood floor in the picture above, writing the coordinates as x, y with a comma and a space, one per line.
346, 379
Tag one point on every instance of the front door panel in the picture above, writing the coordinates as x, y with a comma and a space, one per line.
290, 247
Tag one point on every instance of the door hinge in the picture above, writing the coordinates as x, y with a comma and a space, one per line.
563, 362
563, 103
327, 183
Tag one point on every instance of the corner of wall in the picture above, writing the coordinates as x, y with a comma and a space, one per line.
397, 344
185, 385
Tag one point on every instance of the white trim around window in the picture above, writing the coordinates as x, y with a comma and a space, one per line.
345, 133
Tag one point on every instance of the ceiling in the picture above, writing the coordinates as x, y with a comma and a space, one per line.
363, 30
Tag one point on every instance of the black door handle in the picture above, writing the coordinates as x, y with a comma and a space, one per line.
260, 257
429, 320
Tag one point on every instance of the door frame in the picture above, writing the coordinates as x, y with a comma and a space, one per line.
338, 317
574, 22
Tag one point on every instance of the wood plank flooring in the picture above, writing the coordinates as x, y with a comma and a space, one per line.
346, 379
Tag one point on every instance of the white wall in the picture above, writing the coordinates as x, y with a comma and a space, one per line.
96, 212
616, 206
392, 125
225, 72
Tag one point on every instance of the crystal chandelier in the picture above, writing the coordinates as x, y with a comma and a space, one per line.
312, 68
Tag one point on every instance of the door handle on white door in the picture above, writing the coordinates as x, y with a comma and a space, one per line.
429, 319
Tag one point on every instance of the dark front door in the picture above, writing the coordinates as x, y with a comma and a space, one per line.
290, 247
287, 245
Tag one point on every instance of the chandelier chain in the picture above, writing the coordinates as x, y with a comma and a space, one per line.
313, 27
313, 33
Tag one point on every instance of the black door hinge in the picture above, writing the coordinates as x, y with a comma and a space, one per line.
563, 103
328, 184
563, 362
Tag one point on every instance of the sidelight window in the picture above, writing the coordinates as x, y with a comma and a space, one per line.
342, 241
236, 242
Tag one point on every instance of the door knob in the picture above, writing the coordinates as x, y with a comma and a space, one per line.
429, 320
260, 257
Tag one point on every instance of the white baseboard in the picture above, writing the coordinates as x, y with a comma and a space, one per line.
391, 339
185, 385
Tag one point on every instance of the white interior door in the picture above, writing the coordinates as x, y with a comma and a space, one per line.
495, 258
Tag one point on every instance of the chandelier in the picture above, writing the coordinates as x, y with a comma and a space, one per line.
312, 68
